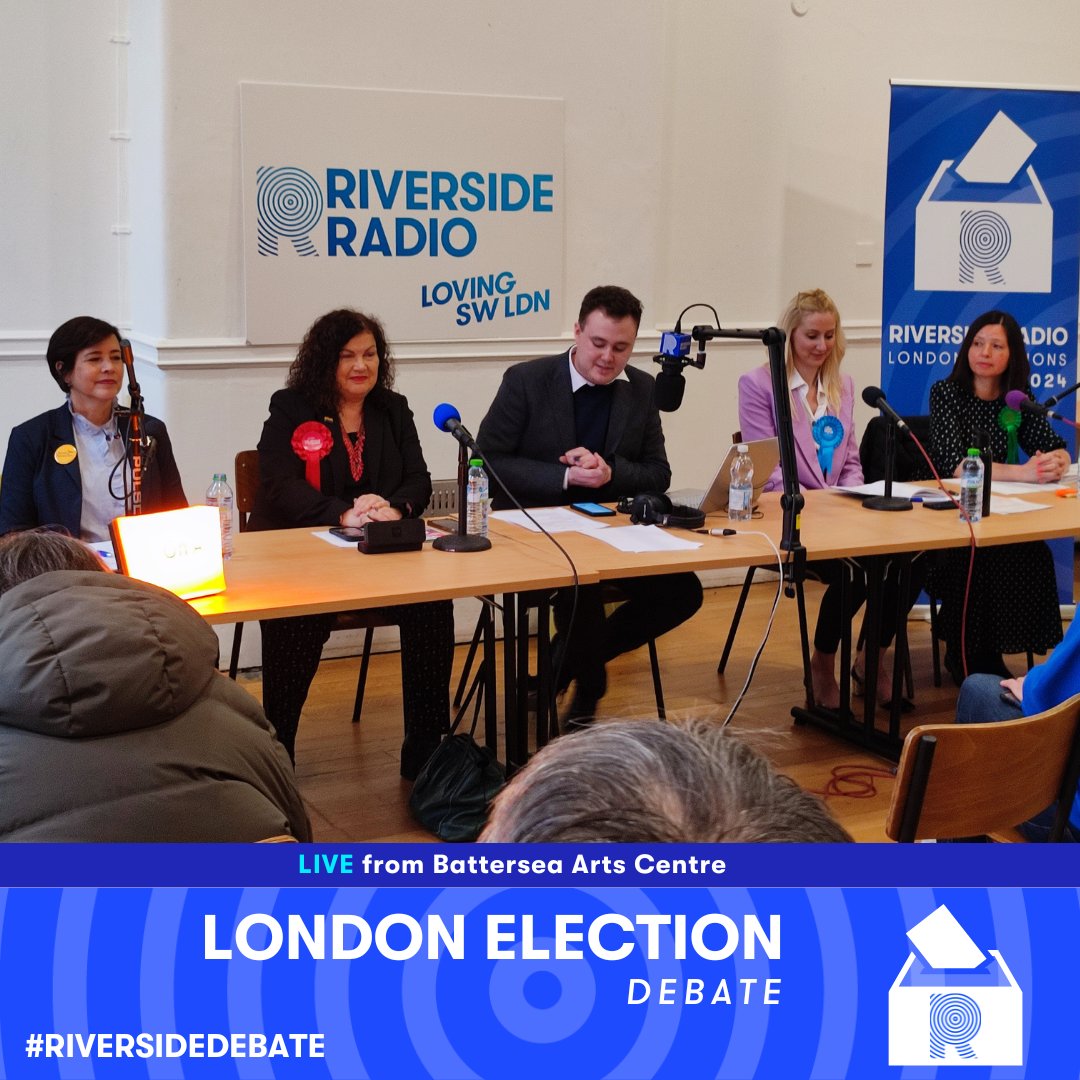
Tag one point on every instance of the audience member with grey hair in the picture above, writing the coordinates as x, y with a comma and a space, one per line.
648, 782
115, 724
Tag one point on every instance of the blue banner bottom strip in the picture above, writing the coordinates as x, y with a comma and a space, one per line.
502, 980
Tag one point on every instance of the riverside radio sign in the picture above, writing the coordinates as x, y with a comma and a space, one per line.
405, 205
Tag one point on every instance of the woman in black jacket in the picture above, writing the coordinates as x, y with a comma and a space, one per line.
340, 448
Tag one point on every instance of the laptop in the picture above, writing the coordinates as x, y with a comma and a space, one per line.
765, 454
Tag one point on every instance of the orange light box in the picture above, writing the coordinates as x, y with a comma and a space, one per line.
180, 550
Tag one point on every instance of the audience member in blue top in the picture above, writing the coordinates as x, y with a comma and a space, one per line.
984, 698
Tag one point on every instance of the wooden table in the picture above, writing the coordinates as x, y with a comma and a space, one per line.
832, 526
292, 572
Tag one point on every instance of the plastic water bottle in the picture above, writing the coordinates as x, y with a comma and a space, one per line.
476, 499
219, 494
971, 487
740, 505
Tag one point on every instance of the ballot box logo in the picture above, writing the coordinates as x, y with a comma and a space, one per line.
289, 204
984, 224
953, 1004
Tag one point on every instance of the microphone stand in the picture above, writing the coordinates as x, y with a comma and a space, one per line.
888, 501
462, 540
982, 441
137, 412
791, 500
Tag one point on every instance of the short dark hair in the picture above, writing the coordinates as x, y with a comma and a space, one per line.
69, 339
645, 781
314, 371
613, 300
25, 555
1017, 374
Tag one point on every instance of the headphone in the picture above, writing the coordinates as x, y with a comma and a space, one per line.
653, 509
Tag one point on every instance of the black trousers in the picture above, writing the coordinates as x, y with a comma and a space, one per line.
291, 649
832, 616
653, 606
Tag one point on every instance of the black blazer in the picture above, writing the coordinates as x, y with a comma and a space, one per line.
38, 490
393, 464
531, 423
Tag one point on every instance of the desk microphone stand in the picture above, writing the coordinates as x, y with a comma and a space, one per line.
137, 412
888, 501
462, 540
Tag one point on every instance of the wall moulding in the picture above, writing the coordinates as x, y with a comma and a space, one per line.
189, 353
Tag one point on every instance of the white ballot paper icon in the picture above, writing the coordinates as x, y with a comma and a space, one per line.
985, 224
952, 1004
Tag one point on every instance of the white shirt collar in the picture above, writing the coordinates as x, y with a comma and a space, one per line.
800, 388
577, 380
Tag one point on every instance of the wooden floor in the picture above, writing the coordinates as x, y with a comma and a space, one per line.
349, 774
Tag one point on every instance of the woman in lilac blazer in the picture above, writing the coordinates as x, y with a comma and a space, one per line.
827, 454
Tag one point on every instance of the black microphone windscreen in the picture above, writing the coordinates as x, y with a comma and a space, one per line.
872, 395
669, 391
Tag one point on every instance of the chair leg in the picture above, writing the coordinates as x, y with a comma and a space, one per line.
234, 659
1030, 659
747, 582
658, 686
935, 651
361, 682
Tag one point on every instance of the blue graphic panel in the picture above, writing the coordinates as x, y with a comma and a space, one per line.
594, 981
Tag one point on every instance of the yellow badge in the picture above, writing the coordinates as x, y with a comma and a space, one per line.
65, 454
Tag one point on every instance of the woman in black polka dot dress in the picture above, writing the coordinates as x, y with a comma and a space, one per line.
1013, 604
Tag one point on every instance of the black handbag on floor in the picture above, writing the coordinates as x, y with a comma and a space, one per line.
451, 794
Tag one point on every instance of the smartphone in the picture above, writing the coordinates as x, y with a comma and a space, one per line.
347, 532
593, 509
939, 504
1011, 699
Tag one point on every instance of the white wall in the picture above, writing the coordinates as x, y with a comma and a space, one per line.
720, 150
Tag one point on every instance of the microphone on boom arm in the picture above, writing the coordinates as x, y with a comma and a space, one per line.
1017, 399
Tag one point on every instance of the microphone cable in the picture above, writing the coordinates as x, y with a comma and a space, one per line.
971, 558
781, 565
557, 673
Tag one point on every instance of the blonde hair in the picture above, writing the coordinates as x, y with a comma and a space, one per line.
816, 302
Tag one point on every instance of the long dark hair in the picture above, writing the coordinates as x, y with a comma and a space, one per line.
69, 339
314, 371
1016, 374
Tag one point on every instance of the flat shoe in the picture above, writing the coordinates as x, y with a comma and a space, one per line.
858, 683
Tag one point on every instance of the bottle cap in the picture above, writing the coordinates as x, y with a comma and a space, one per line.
476, 461
742, 448
973, 451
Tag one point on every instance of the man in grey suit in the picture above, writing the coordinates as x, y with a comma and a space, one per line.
583, 426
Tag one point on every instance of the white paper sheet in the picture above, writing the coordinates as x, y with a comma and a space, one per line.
645, 538
554, 519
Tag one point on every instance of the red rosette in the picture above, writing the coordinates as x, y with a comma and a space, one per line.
311, 442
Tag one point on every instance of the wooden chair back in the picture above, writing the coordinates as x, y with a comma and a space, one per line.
958, 780
246, 471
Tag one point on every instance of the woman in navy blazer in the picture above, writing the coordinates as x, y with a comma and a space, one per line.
52, 458
827, 455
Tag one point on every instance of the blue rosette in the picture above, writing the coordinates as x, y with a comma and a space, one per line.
828, 433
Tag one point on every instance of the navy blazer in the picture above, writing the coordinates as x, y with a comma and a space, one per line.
394, 464
37, 490
530, 424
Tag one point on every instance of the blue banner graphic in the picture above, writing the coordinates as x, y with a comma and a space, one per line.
982, 211
508, 962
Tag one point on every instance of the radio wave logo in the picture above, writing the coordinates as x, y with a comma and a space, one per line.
955, 1020
985, 241
290, 204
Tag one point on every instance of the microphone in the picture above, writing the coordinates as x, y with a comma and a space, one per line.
1017, 399
874, 396
670, 381
447, 418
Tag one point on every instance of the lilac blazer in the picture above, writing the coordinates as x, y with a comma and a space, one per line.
758, 421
